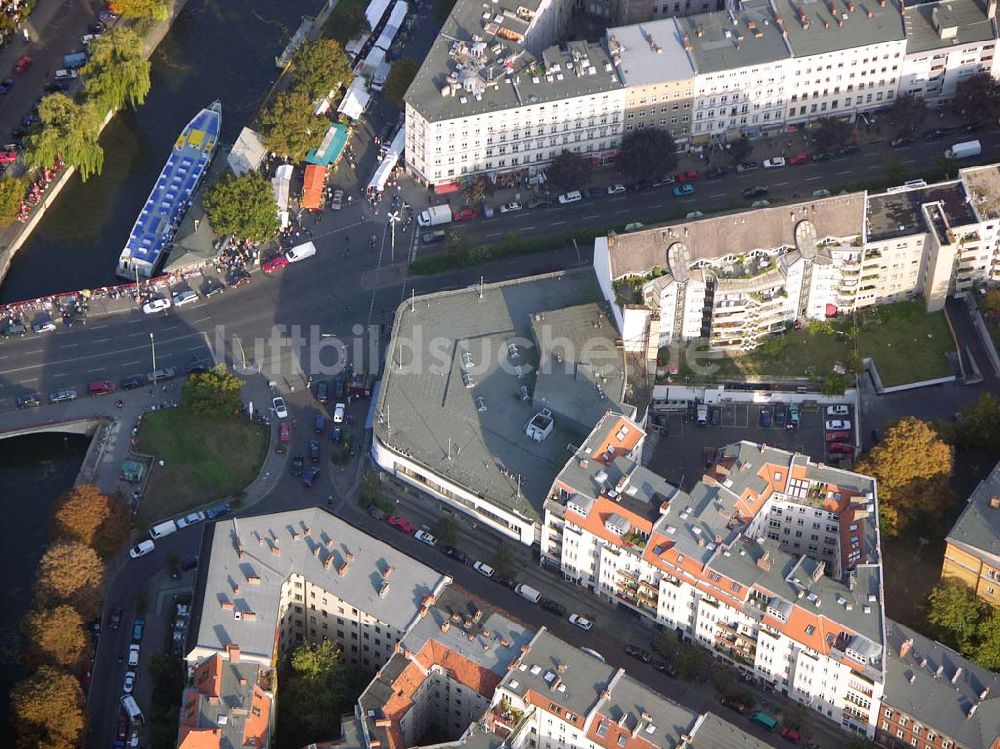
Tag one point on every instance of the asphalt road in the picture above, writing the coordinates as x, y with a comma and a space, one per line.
659, 204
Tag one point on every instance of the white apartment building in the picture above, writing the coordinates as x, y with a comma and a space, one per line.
946, 43
738, 277
771, 561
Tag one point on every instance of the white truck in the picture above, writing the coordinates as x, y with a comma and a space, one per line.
526, 591
964, 150
436, 215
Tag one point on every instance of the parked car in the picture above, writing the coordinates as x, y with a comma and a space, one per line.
837, 436
467, 213
61, 396
156, 305
905, 140
129, 683
22, 64
434, 237
400, 524
101, 387
593, 192
747, 166
310, 477
553, 607
141, 549
572, 196
681, 190
216, 512
133, 655
425, 537
278, 404
483, 569
779, 417
616, 189
274, 264
511, 207
640, 186
338, 413
734, 705
314, 451
765, 418
6, 86
190, 519
838, 425
799, 158
116, 618
635, 651
336, 435
539, 203
13, 326
691, 175
791, 734
212, 287
973, 127
755, 193
198, 364
319, 423
322, 391
8, 157
849, 150
579, 621
457, 554
132, 382
838, 411
839, 448
29, 400
298, 465
716, 172
775, 162
337, 201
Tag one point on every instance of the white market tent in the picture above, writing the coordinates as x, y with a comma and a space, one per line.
375, 10
282, 183
356, 99
247, 153
392, 26
381, 176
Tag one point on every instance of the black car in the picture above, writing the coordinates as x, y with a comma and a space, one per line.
212, 287
594, 192
337, 436
733, 705
237, 278
96, 28
434, 237
319, 423
973, 127
298, 465
6, 86
641, 186
716, 172
322, 391
539, 203
457, 554
197, 364
133, 381
189, 564
937, 133
636, 652
906, 140
55, 86
849, 149
314, 451
340, 387
29, 400
73, 317
553, 607
755, 193
666, 669
823, 156
13, 326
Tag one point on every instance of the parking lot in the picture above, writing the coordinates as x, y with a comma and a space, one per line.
680, 455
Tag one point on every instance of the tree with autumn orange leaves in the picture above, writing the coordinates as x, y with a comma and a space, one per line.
47, 710
89, 516
55, 637
71, 572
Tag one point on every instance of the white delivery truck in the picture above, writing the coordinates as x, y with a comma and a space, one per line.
964, 150
133, 711
300, 252
526, 591
435, 216
163, 529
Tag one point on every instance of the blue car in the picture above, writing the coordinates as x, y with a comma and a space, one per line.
683, 190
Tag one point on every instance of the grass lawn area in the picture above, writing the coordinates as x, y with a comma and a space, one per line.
346, 21
907, 344
205, 459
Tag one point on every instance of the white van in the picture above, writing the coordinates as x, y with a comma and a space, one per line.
526, 591
133, 711
64, 74
300, 252
163, 529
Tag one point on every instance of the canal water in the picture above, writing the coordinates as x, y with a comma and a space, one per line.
34, 470
217, 49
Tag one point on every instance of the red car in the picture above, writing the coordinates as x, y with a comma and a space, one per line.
116, 618
22, 64
839, 448
837, 436
799, 158
274, 264
122, 729
400, 523
689, 176
791, 735
8, 157
465, 214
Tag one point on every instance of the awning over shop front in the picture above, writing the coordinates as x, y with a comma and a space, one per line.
247, 153
312, 188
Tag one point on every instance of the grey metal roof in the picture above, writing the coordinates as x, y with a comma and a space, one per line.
305, 540
967, 19
649, 53
713, 733
978, 527
914, 686
425, 404
723, 41
501, 73
829, 32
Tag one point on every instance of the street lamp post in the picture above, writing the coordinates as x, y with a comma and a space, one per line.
152, 347
394, 218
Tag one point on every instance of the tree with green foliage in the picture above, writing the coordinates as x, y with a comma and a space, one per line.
167, 677
290, 126
648, 153
570, 170
894, 170
987, 652
47, 710
907, 114
831, 133
477, 189
213, 393
740, 149
978, 425
446, 530
400, 77
505, 561
316, 689
154, 10
977, 97
347, 21
243, 207
117, 73
954, 611
69, 130
320, 67
991, 302
11, 194
694, 663
913, 465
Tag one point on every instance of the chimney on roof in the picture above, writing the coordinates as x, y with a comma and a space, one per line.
991, 9
995, 500
342, 569
972, 711
956, 675
939, 673
984, 694
905, 647
446, 625
913, 678
233, 652
764, 561
384, 590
